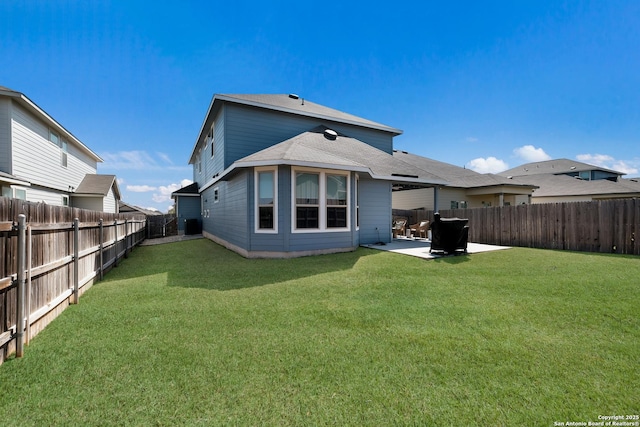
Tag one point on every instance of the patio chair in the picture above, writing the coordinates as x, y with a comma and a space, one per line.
399, 227
420, 229
449, 235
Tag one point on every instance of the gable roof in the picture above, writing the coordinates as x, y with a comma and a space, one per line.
31, 106
556, 167
97, 185
564, 186
292, 104
455, 175
124, 207
315, 148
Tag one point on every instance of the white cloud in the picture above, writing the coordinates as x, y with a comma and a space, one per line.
488, 165
606, 161
165, 157
471, 139
529, 153
140, 188
595, 159
164, 192
128, 160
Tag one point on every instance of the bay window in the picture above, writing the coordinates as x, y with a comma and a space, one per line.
320, 200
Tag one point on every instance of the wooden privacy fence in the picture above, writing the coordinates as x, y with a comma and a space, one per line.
606, 226
49, 256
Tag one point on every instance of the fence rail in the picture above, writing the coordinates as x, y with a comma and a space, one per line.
51, 255
605, 226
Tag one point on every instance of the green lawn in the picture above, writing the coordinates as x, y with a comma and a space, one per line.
191, 334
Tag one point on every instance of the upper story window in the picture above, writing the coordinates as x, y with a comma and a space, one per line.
210, 139
321, 201
56, 139
63, 146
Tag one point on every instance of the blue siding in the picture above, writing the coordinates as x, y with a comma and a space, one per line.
188, 208
375, 211
211, 166
228, 218
249, 130
285, 240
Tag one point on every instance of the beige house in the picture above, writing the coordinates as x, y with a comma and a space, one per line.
564, 180
464, 189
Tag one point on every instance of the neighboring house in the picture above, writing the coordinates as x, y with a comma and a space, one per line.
41, 161
465, 188
128, 208
564, 180
279, 176
97, 193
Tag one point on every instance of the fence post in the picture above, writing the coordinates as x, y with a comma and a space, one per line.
115, 245
20, 299
126, 238
76, 261
28, 289
101, 249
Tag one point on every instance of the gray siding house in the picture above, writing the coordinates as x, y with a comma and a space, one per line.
41, 161
279, 176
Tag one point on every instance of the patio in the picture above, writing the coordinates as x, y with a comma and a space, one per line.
420, 247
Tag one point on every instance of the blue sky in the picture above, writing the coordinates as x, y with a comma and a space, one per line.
487, 85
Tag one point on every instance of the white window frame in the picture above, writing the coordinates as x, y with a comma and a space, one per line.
211, 138
256, 203
64, 157
58, 137
322, 214
357, 202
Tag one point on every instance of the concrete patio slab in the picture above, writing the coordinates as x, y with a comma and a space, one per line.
420, 247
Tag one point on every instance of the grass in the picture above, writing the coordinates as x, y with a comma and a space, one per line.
192, 334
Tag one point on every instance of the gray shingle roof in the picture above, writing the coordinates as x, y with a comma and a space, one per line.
557, 166
455, 175
564, 185
313, 149
190, 189
97, 185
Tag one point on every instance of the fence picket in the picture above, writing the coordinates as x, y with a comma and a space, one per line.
62, 261
603, 226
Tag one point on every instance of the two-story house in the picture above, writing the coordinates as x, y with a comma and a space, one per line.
279, 176
565, 180
41, 161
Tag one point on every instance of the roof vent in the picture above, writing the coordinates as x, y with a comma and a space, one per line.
330, 134
572, 167
293, 96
